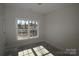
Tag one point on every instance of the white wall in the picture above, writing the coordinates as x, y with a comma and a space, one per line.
62, 27
11, 14
2, 38
59, 28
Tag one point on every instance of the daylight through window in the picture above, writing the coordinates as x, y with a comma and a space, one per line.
36, 51
27, 29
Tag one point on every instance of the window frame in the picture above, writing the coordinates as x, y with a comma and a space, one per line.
28, 37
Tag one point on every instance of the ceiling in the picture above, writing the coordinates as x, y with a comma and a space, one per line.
44, 8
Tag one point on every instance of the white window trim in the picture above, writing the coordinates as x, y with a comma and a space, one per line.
28, 32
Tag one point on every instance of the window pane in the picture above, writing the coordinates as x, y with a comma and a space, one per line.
26, 24
33, 24
23, 22
19, 24
22, 29
26, 29
33, 33
33, 28
18, 21
22, 34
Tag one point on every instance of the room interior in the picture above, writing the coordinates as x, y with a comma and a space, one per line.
43, 29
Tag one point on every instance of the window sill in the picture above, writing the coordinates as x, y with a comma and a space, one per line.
27, 38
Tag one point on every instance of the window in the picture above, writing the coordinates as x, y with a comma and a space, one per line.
27, 29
